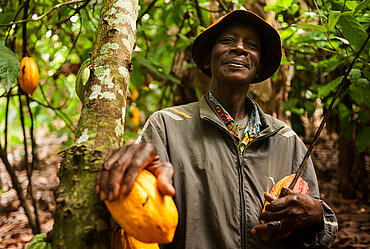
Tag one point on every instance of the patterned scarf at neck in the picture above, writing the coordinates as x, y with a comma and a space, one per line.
252, 129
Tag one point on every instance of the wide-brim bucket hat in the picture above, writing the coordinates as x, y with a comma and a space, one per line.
270, 39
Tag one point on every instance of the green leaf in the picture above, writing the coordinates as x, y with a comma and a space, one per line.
342, 40
330, 87
343, 113
312, 26
157, 70
9, 68
352, 30
354, 75
363, 5
363, 139
364, 116
310, 108
333, 19
360, 92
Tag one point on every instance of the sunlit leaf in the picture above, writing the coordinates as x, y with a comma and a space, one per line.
353, 31
157, 70
363, 5
312, 26
333, 19
330, 87
9, 68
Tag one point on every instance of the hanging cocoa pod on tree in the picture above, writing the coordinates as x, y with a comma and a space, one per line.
29, 75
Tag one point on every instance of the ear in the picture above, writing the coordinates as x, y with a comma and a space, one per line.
207, 61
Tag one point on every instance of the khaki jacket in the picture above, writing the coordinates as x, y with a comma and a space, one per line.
219, 192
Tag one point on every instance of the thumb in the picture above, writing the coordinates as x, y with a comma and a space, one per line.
269, 197
164, 173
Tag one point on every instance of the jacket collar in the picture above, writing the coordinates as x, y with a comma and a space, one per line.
268, 126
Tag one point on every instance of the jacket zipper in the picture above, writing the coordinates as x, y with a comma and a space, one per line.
240, 171
241, 193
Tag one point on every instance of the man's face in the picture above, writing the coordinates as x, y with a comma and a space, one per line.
235, 56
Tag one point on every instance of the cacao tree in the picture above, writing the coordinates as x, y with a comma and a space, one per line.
100, 130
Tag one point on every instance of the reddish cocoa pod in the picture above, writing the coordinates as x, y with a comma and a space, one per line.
301, 187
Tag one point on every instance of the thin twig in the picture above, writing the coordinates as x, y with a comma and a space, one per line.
74, 41
18, 189
43, 15
33, 142
6, 123
34, 159
199, 12
328, 111
56, 110
146, 11
77, 10
24, 28
10, 27
36, 225
321, 22
223, 6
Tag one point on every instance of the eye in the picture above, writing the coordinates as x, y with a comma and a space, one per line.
226, 40
253, 45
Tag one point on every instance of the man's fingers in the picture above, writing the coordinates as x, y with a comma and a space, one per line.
280, 203
278, 215
271, 232
103, 190
143, 156
266, 231
269, 197
164, 173
114, 157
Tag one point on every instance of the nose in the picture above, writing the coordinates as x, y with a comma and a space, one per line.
240, 48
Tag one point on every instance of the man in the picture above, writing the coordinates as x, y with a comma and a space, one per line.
226, 152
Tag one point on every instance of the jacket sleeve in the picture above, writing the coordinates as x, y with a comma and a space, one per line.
155, 133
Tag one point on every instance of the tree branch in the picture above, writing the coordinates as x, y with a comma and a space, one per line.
146, 11
199, 12
43, 15
6, 123
18, 189
36, 225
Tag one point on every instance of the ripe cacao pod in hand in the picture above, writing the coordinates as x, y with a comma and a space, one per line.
145, 213
29, 75
301, 187
129, 242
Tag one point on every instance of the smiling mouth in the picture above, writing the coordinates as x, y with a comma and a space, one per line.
238, 64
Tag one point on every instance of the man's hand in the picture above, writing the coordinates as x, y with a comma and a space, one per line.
287, 214
118, 174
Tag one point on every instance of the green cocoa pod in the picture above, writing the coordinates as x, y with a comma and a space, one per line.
83, 76
39, 242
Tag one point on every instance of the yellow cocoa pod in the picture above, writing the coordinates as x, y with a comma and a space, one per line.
301, 187
136, 117
129, 242
29, 75
145, 213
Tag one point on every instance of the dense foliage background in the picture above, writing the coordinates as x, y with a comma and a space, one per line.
320, 40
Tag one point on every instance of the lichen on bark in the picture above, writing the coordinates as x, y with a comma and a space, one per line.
81, 220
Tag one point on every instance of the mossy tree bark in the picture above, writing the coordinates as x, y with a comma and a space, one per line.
81, 220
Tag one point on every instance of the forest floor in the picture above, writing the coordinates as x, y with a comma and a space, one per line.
353, 215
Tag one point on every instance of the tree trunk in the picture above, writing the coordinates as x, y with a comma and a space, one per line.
81, 220
353, 181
